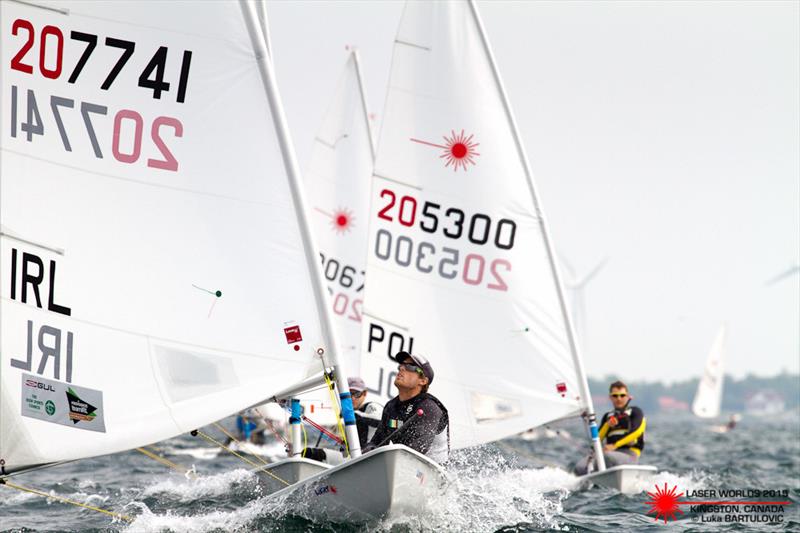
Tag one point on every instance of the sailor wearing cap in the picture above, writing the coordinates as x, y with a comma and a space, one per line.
368, 414
368, 418
429, 433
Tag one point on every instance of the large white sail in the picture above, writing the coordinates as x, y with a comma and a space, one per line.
708, 399
337, 183
458, 263
154, 272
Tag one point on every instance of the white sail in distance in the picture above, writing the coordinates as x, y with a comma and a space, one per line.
337, 182
458, 263
708, 399
154, 271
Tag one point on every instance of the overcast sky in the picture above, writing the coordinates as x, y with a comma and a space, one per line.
664, 136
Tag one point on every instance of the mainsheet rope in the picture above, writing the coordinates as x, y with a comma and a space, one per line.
335, 406
245, 459
61, 499
166, 462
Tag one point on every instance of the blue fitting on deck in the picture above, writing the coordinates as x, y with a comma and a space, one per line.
593, 430
297, 412
348, 414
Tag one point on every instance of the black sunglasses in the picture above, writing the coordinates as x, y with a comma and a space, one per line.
411, 368
357, 394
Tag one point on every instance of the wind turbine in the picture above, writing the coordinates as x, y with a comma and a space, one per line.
787, 273
575, 285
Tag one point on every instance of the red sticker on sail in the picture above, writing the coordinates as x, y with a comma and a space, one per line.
292, 334
458, 150
561, 388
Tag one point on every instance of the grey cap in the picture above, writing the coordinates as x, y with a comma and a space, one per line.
421, 362
356, 384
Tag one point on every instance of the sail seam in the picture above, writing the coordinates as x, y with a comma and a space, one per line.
413, 45
393, 180
166, 339
139, 182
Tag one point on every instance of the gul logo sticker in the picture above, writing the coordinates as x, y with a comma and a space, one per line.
59, 403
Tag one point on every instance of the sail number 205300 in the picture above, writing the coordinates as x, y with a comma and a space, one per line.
452, 222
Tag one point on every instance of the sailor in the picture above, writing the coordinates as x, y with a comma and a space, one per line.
368, 418
414, 417
368, 414
622, 430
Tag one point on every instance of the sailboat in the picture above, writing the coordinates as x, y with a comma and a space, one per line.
460, 269
158, 271
708, 398
337, 183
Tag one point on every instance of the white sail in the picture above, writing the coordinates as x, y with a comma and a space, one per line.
708, 399
458, 260
154, 272
337, 183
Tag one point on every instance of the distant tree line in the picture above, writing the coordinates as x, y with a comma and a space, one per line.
735, 392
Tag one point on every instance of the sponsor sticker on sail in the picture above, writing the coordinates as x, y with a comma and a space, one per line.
60, 403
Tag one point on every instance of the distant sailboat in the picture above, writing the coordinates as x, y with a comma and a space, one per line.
156, 262
708, 398
337, 183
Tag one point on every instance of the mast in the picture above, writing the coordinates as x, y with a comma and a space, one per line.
573, 344
293, 173
264, 24
363, 96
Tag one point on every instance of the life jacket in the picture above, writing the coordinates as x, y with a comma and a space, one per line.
368, 419
620, 424
440, 447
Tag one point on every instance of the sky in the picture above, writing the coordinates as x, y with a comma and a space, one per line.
663, 137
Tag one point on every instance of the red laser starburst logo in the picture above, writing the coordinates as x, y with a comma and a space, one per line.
341, 219
458, 150
664, 503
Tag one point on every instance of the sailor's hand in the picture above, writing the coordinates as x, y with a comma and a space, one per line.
317, 454
609, 448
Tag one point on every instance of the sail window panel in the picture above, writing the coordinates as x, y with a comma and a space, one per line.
189, 375
488, 408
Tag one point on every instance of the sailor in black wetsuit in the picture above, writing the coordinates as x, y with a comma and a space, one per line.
622, 430
429, 433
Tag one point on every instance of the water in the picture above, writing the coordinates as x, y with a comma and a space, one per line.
515, 485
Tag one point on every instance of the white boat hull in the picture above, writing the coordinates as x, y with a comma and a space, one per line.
390, 481
281, 474
627, 479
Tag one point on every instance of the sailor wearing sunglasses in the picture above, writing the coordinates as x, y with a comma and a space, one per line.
622, 430
430, 432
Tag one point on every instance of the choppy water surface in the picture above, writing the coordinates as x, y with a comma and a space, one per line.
515, 485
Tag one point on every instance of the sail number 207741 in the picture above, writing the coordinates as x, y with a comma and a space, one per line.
28, 107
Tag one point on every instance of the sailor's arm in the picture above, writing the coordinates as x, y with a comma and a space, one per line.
603, 428
638, 425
